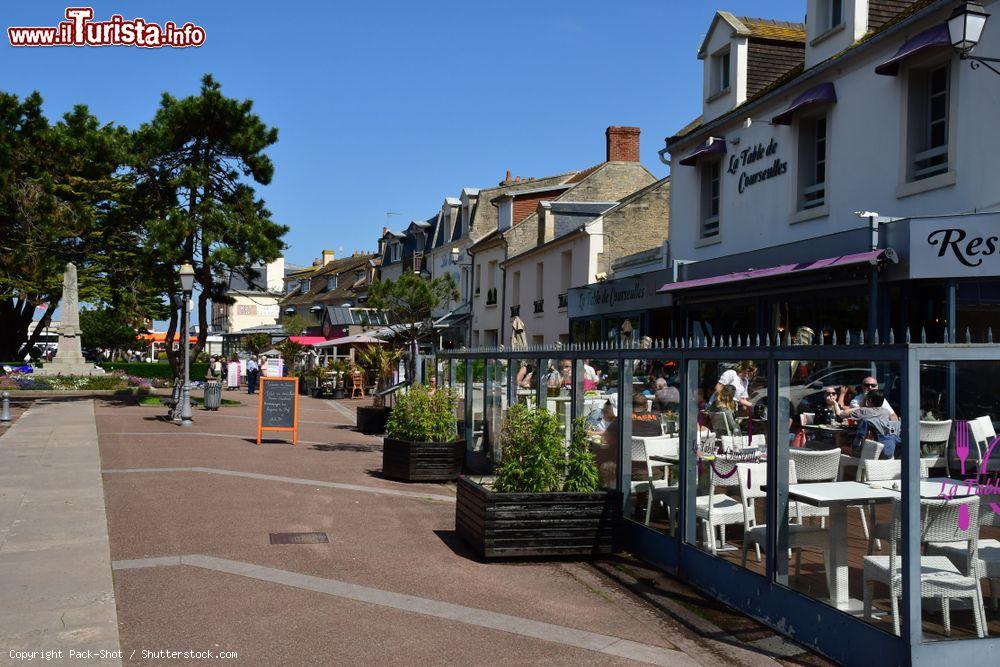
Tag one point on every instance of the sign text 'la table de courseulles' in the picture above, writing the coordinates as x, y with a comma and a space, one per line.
279, 407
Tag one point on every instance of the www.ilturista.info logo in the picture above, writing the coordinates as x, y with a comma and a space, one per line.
81, 30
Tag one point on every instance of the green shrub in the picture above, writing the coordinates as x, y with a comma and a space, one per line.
150, 371
582, 475
532, 459
419, 416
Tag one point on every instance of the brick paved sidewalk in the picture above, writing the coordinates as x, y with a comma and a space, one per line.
190, 512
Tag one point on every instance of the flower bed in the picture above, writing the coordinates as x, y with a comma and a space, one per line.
108, 382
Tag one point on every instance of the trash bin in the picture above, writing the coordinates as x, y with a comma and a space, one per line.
213, 395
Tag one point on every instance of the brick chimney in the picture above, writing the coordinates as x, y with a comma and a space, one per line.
623, 144
328, 256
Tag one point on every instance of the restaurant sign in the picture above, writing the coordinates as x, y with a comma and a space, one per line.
955, 247
623, 295
748, 160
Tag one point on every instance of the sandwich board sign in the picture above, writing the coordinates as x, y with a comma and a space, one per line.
279, 407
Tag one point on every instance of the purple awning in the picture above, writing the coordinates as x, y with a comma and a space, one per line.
929, 39
711, 146
823, 93
870, 257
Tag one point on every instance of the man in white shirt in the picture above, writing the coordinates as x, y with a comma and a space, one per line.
739, 377
867, 385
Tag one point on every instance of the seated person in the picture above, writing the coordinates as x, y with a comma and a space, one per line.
645, 424
877, 422
599, 420
722, 413
525, 376
868, 385
665, 398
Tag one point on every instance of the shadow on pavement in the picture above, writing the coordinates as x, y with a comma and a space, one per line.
458, 546
347, 448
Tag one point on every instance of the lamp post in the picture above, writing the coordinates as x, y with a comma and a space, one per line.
965, 29
187, 285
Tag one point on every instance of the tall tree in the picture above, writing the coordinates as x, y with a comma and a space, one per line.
195, 163
59, 190
409, 303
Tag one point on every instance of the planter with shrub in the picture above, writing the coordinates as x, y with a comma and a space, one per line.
379, 361
421, 442
543, 501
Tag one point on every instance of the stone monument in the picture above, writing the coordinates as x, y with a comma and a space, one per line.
69, 356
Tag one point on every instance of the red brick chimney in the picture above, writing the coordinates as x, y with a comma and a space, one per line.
623, 144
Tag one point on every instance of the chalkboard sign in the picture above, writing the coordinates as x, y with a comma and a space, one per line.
279, 406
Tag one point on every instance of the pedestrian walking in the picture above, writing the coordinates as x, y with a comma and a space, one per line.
253, 374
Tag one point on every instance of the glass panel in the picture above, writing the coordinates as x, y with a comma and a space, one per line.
731, 447
842, 439
822, 314
655, 449
455, 371
559, 391
978, 309
477, 396
496, 405
960, 504
526, 379
600, 411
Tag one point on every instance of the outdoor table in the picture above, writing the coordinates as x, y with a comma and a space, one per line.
838, 497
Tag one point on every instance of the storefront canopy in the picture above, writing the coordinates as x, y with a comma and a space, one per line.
356, 339
870, 257
823, 93
929, 39
307, 340
709, 147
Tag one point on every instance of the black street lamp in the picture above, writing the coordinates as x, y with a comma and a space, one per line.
187, 286
965, 29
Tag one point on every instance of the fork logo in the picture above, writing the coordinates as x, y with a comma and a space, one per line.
980, 487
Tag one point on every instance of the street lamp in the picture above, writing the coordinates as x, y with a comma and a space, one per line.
187, 286
965, 29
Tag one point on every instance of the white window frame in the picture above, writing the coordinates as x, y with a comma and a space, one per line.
811, 192
914, 139
721, 75
331, 282
709, 220
832, 15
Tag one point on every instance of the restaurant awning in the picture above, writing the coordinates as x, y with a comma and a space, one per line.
709, 147
929, 39
873, 257
307, 340
356, 339
823, 93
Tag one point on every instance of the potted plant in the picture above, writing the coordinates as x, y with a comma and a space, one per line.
543, 500
421, 439
309, 381
336, 368
379, 361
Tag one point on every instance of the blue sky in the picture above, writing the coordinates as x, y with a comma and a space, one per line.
393, 106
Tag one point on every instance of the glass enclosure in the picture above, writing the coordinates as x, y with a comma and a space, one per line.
839, 488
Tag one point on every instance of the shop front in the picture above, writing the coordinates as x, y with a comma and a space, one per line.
621, 309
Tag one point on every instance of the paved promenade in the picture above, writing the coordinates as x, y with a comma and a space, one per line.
189, 519
56, 589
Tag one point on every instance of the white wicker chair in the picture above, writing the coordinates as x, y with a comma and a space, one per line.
656, 489
870, 451
989, 550
718, 509
753, 476
815, 466
887, 473
935, 434
939, 578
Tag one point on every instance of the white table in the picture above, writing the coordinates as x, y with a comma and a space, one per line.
839, 496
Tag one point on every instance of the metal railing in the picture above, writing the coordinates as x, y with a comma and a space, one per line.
515, 311
540, 305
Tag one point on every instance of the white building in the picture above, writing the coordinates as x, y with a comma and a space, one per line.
877, 113
254, 298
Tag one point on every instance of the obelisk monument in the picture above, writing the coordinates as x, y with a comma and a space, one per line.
69, 356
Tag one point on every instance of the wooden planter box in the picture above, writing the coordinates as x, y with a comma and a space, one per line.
422, 461
505, 525
371, 420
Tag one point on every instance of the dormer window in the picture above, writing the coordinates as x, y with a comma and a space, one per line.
304, 285
831, 15
721, 68
331, 283
394, 249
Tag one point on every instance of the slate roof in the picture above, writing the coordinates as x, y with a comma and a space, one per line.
347, 283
